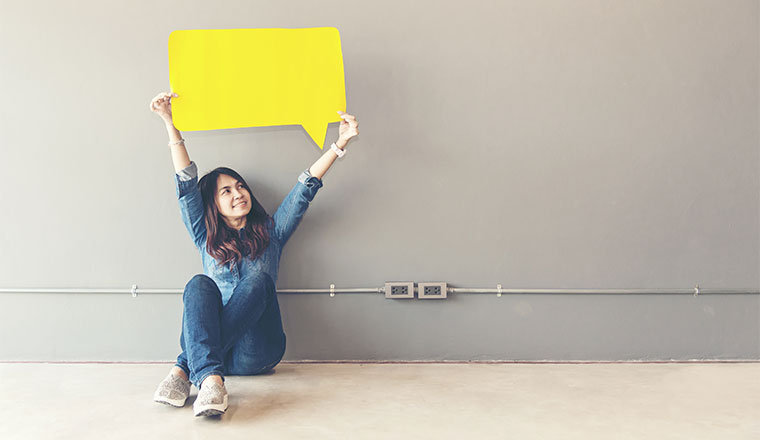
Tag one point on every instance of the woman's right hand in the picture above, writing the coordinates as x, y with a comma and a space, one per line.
161, 105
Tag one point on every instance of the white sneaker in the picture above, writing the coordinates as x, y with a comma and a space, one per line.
211, 400
173, 390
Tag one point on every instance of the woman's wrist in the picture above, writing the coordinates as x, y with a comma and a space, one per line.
340, 143
175, 136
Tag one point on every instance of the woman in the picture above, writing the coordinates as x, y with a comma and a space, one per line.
231, 321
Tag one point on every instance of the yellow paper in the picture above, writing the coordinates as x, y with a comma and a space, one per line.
230, 78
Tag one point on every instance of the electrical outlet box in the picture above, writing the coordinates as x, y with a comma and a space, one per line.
399, 290
431, 290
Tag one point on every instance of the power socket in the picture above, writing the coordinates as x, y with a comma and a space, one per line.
431, 290
401, 289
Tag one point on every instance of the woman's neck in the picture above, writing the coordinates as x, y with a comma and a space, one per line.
235, 223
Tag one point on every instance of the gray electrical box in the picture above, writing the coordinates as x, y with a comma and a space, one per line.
402, 289
431, 290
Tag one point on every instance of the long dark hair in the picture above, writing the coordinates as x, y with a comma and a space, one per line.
222, 242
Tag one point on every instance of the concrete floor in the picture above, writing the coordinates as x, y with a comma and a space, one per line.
399, 401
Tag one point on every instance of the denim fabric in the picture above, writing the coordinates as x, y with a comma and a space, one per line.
286, 219
231, 322
243, 337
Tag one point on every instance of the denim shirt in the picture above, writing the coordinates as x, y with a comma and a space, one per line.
286, 218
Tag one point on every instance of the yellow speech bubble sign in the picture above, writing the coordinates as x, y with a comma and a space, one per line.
231, 78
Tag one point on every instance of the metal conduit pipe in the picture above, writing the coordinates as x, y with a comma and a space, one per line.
134, 290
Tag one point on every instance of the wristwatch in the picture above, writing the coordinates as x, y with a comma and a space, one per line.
337, 150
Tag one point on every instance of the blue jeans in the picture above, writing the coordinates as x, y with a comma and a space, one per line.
243, 337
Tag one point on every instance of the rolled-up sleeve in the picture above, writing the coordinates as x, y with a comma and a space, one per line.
190, 172
191, 203
292, 209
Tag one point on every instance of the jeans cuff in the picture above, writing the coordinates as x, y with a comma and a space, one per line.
210, 373
187, 371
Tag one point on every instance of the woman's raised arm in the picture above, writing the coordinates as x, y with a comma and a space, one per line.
161, 105
348, 129
185, 175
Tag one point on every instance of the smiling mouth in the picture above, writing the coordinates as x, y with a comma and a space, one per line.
239, 204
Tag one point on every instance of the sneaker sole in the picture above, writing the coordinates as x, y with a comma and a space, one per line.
213, 409
172, 402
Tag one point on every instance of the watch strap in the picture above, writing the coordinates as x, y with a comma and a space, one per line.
338, 151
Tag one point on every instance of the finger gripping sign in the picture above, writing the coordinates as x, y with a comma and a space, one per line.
231, 78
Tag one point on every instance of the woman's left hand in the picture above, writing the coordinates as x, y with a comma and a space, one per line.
348, 129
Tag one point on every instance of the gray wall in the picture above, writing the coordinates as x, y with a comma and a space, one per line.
541, 144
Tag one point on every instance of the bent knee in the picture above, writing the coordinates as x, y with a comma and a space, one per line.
258, 280
200, 283
264, 279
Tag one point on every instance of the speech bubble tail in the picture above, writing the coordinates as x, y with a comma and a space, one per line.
317, 131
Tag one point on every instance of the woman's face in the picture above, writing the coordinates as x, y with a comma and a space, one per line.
232, 199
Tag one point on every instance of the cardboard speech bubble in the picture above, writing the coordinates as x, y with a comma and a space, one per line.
231, 78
